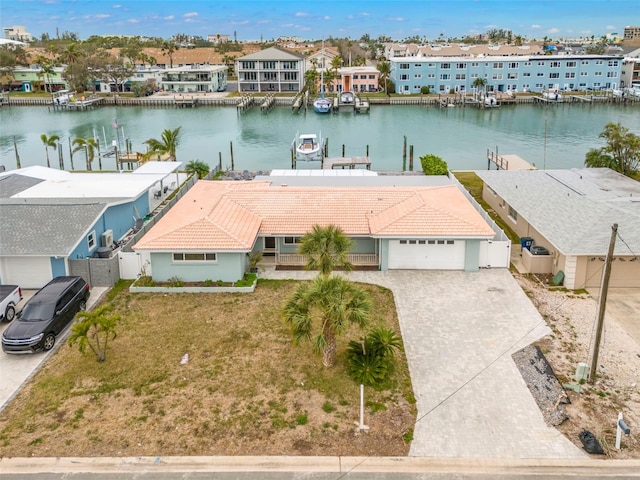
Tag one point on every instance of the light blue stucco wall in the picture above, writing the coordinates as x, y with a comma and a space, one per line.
384, 254
58, 267
360, 245
533, 73
230, 267
472, 256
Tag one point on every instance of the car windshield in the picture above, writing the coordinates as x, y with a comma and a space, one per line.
37, 312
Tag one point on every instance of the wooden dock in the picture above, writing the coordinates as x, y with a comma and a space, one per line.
348, 162
71, 102
185, 102
507, 162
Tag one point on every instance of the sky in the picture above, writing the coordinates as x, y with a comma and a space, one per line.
317, 19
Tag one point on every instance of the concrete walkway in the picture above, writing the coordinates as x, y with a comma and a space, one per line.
459, 332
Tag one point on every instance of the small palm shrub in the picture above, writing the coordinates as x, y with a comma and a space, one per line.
370, 361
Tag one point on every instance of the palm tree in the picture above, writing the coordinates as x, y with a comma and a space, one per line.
95, 329
169, 48
197, 167
167, 144
328, 305
327, 248
49, 142
46, 71
384, 68
479, 83
90, 145
311, 79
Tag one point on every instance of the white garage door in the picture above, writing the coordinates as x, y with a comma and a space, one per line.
427, 254
28, 272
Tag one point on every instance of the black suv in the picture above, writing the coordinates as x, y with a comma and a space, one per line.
46, 315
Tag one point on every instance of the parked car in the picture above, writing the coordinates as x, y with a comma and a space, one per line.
46, 315
10, 296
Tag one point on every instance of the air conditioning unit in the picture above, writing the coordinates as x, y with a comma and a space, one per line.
107, 238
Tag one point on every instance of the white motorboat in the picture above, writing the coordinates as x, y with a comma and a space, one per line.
308, 147
347, 97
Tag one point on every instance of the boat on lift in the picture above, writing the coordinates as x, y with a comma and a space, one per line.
308, 146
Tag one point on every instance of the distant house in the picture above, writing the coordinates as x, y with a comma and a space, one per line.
270, 70
52, 220
29, 79
358, 79
212, 230
570, 213
195, 79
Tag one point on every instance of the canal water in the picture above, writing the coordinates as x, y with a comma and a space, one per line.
550, 137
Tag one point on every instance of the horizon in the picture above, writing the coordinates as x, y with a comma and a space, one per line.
256, 20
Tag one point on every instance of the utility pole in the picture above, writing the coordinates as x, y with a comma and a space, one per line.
604, 289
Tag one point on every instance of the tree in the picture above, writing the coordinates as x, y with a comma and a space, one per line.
167, 144
117, 70
89, 145
95, 329
311, 79
384, 68
622, 152
479, 83
197, 167
46, 70
327, 248
433, 165
371, 359
169, 48
327, 306
49, 142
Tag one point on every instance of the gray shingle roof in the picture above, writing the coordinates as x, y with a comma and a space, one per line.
42, 228
15, 183
272, 53
574, 209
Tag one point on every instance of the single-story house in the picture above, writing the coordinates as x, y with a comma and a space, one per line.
211, 231
571, 214
51, 217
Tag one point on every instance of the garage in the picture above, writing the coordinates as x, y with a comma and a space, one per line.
27, 272
426, 254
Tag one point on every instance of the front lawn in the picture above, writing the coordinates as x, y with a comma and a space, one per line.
207, 374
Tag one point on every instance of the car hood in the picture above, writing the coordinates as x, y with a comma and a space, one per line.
18, 329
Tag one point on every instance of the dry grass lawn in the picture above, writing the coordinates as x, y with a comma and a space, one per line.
246, 389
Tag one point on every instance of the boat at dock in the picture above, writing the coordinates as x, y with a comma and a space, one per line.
347, 98
322, 104
308, 146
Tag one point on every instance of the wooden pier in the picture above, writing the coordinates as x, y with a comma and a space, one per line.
245, 102
507, 162
69, 101
348, 162
268, 102
185, 102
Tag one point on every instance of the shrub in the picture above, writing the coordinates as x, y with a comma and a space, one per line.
371, 360
425, 90
433, 165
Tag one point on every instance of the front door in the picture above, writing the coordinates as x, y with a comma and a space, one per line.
269, 246
347, 83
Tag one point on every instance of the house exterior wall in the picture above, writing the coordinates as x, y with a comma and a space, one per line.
384, 254
229, 267
503, 73
472, 256
58, 267
270, 75
195, 79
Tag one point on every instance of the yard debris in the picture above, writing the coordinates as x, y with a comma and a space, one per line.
185, 359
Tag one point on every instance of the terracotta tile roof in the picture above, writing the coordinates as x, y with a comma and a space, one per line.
229, 215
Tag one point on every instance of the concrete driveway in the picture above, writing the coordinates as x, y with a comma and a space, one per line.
17, 369
459, 332
623, 304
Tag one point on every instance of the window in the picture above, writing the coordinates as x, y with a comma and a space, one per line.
512, 76
474, 64
194, 257
291, 75
461, 66
584, 62
461, 76
597, 74
432, 242
571, 64
526, 74
554, 75
417, 75
404, 66
270, 76
450, 242
554, 64
612, 74
269, 65
91, 240
445, 76
599, 62
403, 242
570, 75
496, 76
613, 63
421, 242
291, 240
445, 66
527, 64
513, 65
289, 65
404, 76
440, 242
498, 65
412, 242
513, 215
540, 74
248, 65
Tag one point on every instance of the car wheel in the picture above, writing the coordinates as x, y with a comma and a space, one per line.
49, 342
82, 306
9, 313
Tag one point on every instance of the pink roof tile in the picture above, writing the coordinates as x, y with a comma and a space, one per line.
230, 215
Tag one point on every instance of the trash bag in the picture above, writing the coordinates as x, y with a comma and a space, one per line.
590, 442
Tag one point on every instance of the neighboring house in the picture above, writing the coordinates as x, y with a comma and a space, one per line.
458, 50
503, 73
51, 218
195, 79
571, 212
322, 59
210, 233
27, 78
270, 70
358, 79
17, 33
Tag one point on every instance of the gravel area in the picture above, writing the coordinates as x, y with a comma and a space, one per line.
572, 318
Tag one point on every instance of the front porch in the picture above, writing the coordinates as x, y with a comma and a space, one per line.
296, 261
